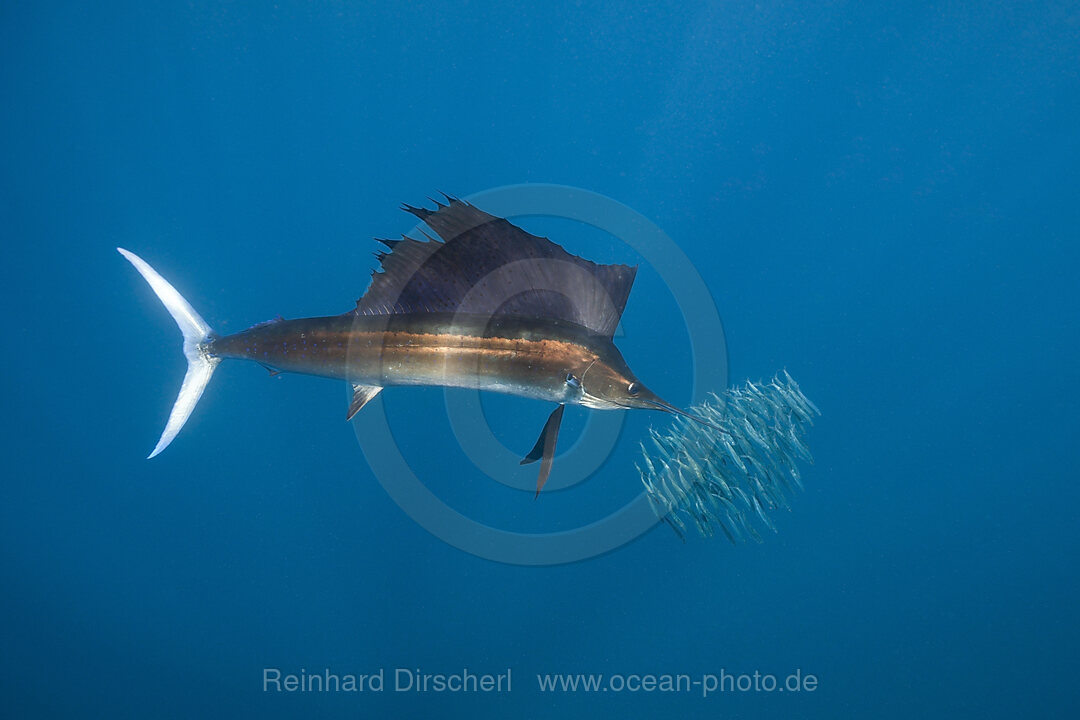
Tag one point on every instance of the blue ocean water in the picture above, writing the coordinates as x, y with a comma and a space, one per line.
880, 198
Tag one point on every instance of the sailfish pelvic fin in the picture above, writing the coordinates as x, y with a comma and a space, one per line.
544, 449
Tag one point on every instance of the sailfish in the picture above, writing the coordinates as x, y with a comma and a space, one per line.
480, 304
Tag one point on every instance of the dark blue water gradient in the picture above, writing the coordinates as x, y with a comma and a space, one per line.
880, 197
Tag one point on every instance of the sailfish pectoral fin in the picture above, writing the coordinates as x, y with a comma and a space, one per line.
362, 395
538, 449
544, 450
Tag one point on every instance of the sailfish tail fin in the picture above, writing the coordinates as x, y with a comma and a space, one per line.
196, 332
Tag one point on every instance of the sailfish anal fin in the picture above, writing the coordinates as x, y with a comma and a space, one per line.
362, 395
544, 450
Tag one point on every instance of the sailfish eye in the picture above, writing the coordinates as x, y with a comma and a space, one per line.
572, 380
634, 388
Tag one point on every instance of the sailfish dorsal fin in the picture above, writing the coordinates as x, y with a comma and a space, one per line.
484, 264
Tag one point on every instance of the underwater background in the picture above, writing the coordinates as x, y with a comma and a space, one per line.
880, 197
